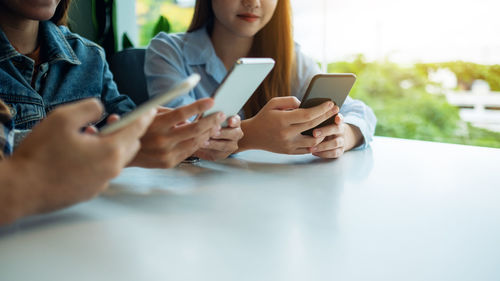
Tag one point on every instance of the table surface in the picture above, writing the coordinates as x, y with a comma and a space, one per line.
399, 210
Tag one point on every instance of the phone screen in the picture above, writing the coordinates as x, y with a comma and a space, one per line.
327, 87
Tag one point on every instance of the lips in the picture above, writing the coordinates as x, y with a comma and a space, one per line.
248, 17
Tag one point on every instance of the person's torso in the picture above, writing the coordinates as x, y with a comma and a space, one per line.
72, 70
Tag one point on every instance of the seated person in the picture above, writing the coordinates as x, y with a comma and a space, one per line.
43, 65
221, 32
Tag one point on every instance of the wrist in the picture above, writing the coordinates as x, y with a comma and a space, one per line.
245, 143
353, 135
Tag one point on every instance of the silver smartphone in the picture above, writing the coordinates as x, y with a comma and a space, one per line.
239, 85
181, 88
327, 87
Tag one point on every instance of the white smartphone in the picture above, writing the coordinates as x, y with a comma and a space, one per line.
327, 87
239, 85
183, 87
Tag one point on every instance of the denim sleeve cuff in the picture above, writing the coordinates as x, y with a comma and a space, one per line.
19, 136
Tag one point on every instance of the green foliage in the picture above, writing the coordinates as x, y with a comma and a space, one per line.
405, 109
162, 24
467, 72
149, 13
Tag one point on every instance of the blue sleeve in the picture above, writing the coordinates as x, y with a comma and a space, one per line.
355, 112
6, 132
113, 101
164, 67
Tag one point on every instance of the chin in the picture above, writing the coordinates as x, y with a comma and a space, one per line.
246, 32
41, 14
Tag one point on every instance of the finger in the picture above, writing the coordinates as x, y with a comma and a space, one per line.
233, 134
234, 121
284, 103
203, 126
112, 118
181, 114
132, 132
303, 115
80, 114
163, 109
330, 144
329, 130
301, 151
300, 127
221, 145
91, 130
339, 119
306, 142
335, 153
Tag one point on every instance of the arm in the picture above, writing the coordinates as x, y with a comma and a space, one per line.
354, 130
165, 65
65, 165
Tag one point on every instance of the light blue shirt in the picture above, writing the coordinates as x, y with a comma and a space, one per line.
171, 58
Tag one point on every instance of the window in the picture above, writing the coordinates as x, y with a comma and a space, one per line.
429, 69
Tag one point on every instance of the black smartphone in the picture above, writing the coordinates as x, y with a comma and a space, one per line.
327, 87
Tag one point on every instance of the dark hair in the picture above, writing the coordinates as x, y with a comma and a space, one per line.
203, 15
60, 17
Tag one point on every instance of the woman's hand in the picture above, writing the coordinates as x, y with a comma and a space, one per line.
57, 165
278, 126
340, 137
171, 138
224, 143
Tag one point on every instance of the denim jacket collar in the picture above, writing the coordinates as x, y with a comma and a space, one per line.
199, 50
56, 46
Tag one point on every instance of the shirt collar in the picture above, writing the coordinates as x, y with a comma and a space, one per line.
55, 45
200, 51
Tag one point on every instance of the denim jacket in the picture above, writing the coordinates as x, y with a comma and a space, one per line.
73, 69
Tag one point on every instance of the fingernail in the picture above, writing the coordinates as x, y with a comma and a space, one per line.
330, 104
217, 133
314, 149
206, 143
317, 133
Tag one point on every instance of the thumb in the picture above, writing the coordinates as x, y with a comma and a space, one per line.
80, 114
283, 103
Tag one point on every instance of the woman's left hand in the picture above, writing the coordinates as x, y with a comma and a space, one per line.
224, 144
340, 137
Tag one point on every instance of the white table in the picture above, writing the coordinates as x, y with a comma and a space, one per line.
401, 210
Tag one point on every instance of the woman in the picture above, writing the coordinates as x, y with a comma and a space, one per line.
223, 31
44, 65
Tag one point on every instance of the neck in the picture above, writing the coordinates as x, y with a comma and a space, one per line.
21, 32
228, 46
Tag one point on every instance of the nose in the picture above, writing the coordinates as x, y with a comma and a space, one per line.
251, 4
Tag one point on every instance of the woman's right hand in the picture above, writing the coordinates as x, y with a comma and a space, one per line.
278, 125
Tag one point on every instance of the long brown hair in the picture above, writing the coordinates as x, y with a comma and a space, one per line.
60, 17
275, 41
